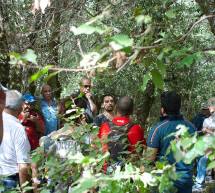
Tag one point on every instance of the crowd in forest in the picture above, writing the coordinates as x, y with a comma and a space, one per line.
25, 120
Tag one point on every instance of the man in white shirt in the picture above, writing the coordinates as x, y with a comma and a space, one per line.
14, 147
209, 123
208, 129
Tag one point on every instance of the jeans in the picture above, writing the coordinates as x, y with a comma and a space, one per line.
10, 182
201, 170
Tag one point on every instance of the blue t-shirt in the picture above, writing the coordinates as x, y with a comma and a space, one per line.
49, 113
160, 138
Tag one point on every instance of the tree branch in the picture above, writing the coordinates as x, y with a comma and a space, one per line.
178, 40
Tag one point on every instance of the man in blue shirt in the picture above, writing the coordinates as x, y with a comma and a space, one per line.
49, 110
160, 137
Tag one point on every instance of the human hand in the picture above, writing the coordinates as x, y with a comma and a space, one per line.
32, 118
88, 95
2, 100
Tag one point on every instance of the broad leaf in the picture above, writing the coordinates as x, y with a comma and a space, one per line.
157, 79
170, 14
86, 29
39, 74
30, 56
146, 78
122, 41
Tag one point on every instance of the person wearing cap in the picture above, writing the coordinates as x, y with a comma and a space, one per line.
32, 121
15, 147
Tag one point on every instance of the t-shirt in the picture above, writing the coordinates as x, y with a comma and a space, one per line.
100, 119
49, 113
30, 128
160, 138
82, 102
135, 133
209, 122
15, 147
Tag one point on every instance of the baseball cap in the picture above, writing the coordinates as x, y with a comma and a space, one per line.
28, 98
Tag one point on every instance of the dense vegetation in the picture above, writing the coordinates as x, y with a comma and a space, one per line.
136, 48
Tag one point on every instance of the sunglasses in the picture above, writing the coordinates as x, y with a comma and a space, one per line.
87, 86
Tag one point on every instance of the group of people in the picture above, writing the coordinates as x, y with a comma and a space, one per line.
22, 124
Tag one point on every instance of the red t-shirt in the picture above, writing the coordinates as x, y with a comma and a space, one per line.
30, 128
135, 133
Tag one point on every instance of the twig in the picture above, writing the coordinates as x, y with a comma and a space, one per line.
178, 40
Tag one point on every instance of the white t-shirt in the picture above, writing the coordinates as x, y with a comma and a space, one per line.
15, 147
209, 122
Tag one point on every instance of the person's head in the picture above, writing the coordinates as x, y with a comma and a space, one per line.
125, 106
14, 101
108, 103
85, 85
170, 103
211, 105
28, 102
46, 92
205, 110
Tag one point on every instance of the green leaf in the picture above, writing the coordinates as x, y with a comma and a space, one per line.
146, 78
39, 74
157, 79
30, 56
86, 29
85, 184
51, 75
122, 41
212, 52
14, 58
162, 68
45, 191
187, 61
143, 19
211, 165
170, 14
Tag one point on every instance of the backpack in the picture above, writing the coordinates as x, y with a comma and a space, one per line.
118, 140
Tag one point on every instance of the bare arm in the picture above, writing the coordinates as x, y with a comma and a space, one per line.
24, 173
151, 153
208, 130
92, 104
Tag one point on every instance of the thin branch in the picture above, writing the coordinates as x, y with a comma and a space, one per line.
178, 40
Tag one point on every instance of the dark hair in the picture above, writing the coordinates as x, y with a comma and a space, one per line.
171, 102
125, 105
108, 95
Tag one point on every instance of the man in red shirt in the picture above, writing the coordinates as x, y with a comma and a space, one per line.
32, 121
111, 133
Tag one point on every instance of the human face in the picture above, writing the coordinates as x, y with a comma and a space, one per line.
108, 103
211, 109
47, 92
26, 107
85, 86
